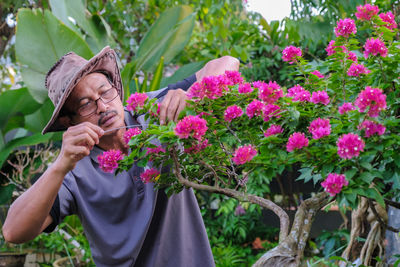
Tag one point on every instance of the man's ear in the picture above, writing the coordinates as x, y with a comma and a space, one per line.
66, 121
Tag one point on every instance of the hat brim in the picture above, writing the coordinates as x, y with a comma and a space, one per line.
106, 61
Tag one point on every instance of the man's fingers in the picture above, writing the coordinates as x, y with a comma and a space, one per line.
181, 107
163, 108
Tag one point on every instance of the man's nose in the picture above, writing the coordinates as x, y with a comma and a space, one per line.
101, 106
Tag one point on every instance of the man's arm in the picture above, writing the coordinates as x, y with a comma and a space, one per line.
175, 100
29, 215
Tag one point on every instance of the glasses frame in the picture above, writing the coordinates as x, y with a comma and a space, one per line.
102, 100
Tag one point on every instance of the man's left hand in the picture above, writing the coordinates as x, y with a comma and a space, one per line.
173, 103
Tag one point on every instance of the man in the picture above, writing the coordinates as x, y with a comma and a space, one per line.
127, 222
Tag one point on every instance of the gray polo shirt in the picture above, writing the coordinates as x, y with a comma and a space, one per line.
129, 223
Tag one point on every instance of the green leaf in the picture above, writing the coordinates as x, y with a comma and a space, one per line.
367, 177
22, 141
156, 81
41, 40
65, 10
182, 73
36, 121
6, 193
15, 102
166, 37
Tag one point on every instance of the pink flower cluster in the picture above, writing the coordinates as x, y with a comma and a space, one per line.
108, 161
245, 88
346, 107
296, 141
232, 112
318, 74
270, 111
290, 54
136, 101
320, 128
352, 56
366, 12
254, 108
299, 94
356, 70
375, 46
244, 154
131, 132
350, 145
197, 147
334, 183
345, 27
273, 130
320, 97
268, 92
211, 87
372, 98
150, 175
234, 77
389, 19
191, 126
332, 49
372, 128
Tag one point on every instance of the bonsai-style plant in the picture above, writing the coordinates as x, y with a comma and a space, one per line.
339, 125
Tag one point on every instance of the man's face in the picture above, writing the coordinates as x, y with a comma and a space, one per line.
89, 89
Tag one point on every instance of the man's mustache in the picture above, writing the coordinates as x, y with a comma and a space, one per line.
105, 114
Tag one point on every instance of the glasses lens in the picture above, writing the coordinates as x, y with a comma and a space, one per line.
87, 109
109, 95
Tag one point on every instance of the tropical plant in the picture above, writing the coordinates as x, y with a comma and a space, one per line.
349, 112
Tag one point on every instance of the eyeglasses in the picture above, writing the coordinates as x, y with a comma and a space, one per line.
91, 106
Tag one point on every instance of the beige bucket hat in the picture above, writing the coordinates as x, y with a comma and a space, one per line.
69, 70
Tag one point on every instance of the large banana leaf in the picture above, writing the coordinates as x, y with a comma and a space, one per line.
182, 73
15, 104
73, 10
41, 39
36, 121
166, 37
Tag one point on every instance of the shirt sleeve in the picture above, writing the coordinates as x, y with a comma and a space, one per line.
63, 206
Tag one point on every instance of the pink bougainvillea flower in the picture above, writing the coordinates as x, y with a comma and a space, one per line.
136, 101
296, 141
131, 132
270, 111
318, 74
350, 145
299, 94
273, 130
320, 128
346, 107
268, 92
108, 161
150, 175
211, 87
366, 12
374, 98
372, 128
197, 147
375, 46
232, 112
254, 108
234, 77
345, 27
352, 56
245, 88
191, 126
320, 97
334, 183
388, 17
244, 154
356, 70
291, 53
